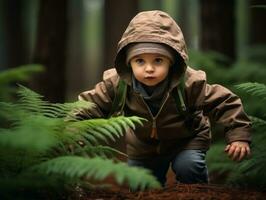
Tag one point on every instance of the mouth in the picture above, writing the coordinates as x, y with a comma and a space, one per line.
150, 77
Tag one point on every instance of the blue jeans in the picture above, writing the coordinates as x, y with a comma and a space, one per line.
188, 165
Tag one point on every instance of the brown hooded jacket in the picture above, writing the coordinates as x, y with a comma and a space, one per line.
204, 101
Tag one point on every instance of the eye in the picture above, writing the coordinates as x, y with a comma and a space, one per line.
139, 61
158, 60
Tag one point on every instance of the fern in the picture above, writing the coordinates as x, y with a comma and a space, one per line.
15, 75
104, 129
250, 172
102, 151
256, 89
44, 138
74, 167
33, 103
21, 73
257, 122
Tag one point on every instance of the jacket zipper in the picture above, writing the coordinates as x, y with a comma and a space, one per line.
154, 134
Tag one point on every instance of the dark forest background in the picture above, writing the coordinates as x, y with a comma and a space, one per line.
76, 39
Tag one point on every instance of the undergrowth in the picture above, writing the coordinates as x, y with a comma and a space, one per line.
249, 173
46, 150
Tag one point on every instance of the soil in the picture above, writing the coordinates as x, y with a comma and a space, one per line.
174, 191
178, 192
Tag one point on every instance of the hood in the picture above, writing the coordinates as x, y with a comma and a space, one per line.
152, 26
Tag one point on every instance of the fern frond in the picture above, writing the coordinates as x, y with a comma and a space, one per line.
97, 168
45, 133
138, 120
90, 138
21, 73
66, 109
124, 121
34, 133
29, 100
221, 163
256, 89
8, 109
256, 164
257, 121
34, 103
103, 129
103, 151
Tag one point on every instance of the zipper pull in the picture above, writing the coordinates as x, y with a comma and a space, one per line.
154, 130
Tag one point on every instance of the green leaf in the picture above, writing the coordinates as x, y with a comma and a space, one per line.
97, 168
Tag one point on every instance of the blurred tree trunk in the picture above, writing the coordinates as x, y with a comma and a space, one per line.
182, 20
257, 25
150, 4
189, 23
218, 27
75, 71
13, 33
118, 14
50, 49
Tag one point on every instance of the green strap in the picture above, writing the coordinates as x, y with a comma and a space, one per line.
120, 99
179, 95
182, 103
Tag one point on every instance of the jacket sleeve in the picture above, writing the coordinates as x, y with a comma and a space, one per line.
101, 95
225, 108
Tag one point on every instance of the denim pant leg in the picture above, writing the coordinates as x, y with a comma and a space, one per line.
157, 165
190, 167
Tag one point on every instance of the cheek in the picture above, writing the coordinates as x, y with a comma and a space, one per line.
137, 73
164, 72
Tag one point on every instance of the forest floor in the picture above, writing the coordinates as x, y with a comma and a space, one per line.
175, 191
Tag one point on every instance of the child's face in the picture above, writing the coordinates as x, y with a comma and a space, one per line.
150, 69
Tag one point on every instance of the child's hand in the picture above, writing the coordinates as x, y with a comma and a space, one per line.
237, 150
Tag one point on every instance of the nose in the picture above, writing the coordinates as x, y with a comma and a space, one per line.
149, 68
